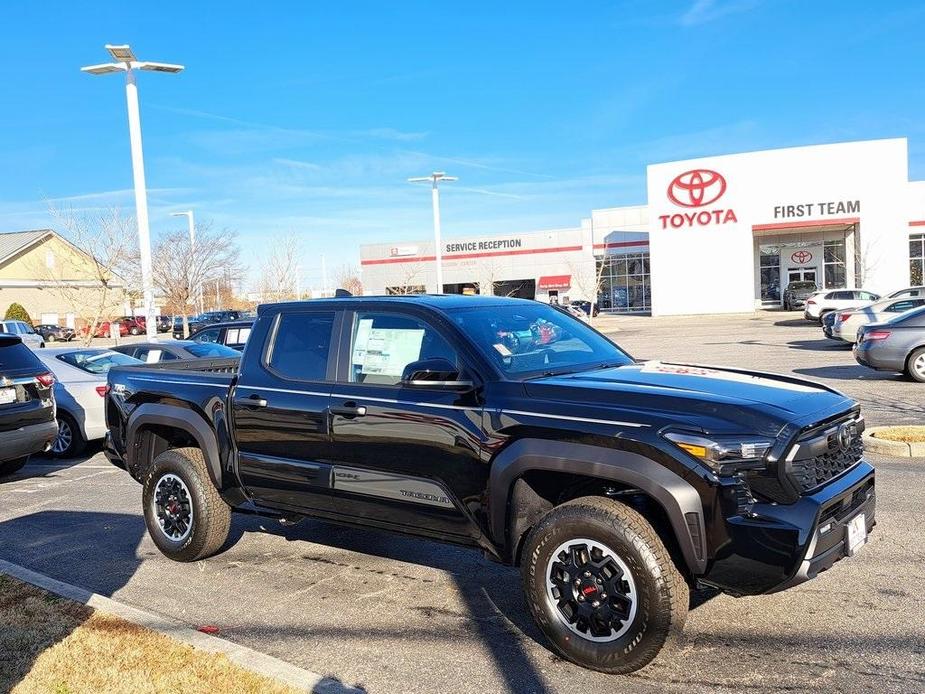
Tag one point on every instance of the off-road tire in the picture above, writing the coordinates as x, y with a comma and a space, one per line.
661, 589
8, 467
911, 370
211, 520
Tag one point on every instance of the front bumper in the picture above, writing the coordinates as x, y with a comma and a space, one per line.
779, 546
35, 438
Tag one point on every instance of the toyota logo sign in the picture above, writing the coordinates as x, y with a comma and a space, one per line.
801, 257
696, 188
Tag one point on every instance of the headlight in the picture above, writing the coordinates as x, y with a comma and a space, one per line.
724, 454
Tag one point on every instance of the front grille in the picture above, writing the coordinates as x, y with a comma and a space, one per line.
825, 452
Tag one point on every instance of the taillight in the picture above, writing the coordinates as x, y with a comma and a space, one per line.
844, 316
810, 303
102, 390
877, 335
46, 379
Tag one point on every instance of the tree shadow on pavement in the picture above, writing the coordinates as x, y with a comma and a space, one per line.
65, 545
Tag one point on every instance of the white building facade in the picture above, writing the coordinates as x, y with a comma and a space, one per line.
719, 235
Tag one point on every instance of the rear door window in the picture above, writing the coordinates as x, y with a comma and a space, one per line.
302, 345
904, 305
206, 336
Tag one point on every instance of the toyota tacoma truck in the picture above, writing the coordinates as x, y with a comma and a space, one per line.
506, 425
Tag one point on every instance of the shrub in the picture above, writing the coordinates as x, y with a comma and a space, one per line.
17, 312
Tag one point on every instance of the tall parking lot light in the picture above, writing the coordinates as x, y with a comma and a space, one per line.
197, 290
434, 179
126, 62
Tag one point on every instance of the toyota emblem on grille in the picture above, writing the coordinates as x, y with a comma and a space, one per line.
844, 436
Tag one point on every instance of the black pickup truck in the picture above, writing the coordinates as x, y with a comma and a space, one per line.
509, 426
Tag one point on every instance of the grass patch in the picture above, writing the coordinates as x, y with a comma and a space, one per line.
49, 644
913, 433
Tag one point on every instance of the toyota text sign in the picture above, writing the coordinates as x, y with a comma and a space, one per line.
695, 189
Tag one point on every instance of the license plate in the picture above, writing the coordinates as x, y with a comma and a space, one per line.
7, 395
857, 533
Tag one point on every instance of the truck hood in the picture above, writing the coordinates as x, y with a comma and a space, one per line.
714, 399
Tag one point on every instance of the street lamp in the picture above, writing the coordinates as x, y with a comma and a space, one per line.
192, 244
126, 62
435, 178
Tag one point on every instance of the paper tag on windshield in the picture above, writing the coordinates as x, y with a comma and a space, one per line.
502, 350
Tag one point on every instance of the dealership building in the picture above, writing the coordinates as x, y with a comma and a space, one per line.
719, 235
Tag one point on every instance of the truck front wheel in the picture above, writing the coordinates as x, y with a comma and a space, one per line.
186, 517
602, 586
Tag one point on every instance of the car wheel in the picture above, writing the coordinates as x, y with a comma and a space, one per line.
69, 442
8, 467
602, 586
51, 337
186, 517
915, 366
134, 331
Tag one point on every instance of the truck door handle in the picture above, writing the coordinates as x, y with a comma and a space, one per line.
252, 401
349, 409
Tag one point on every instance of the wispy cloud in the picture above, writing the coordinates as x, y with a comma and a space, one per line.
705, 11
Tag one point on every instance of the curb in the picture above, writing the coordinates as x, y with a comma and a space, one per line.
247, 658
894, 448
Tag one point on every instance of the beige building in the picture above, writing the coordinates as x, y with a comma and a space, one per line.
56, 282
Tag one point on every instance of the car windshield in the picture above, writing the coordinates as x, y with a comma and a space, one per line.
97, 361
211, 349
528, 340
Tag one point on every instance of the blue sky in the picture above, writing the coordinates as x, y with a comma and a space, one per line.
307, 117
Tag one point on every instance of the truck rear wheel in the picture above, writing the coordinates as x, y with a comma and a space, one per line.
186, 517
602, 586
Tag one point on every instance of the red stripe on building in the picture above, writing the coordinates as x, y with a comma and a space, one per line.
621, 244
917, 223
805, 225
463, 256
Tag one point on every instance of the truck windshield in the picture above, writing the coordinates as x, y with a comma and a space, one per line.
535, 339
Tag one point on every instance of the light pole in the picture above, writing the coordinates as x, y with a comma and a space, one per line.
197, 290
434, 179
126, 62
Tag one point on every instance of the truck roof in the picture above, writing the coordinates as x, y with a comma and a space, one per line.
442, 302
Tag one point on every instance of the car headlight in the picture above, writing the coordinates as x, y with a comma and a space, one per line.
725, 455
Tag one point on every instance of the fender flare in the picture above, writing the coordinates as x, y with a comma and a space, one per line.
178, 418
679, 500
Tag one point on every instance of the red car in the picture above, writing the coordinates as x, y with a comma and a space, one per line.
134, 324
102, 330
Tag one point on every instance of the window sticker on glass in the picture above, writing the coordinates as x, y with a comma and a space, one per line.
362, 338
389, 350
502, 350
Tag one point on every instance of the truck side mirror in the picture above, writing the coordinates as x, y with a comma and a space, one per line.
434, 373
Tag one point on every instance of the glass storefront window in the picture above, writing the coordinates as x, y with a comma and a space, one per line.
834, 273
916, 259
625, 283
769, 260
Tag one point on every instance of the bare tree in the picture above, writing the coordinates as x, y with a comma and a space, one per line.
411, 282
349, 278
181, 269
589, 282
93, 279
279, 270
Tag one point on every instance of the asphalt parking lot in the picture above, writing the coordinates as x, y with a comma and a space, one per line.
400, 614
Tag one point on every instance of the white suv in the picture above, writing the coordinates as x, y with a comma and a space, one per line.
835, 299
29, 337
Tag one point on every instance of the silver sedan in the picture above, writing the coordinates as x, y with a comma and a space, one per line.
80, 392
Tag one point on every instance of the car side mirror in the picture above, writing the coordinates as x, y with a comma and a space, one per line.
434, 373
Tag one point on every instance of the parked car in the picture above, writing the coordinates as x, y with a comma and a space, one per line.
102, 330
233, 334
203, 320
27, 405
164, 324
586, 307
895, 345
847, 322
169, 350
796, 294
80, 391
25, 332
55, 333
134, 325
836, 299
828, 320
908, 291
508, 425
